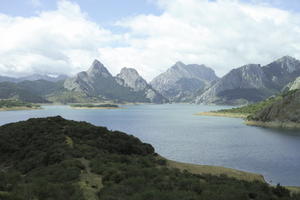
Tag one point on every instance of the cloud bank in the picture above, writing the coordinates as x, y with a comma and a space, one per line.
221, 34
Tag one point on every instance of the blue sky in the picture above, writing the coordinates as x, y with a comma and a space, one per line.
107, 11
101, 11
65, 36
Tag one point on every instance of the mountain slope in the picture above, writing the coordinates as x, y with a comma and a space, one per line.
129, 77
54, 158
98, 82
180, 82
17, 91
252, 83
246, 82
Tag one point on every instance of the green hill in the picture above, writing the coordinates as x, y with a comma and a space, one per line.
53, 158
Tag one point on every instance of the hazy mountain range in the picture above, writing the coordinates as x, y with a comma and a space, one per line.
252, 83
180, 83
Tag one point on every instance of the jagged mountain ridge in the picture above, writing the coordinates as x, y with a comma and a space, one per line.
127, 86
129, 77
252, 83
181, 82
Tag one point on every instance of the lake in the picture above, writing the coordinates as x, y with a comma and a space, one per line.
179, 135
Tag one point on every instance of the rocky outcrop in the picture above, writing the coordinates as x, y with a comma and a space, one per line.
252, 83
181, 82
295, 85
127, 86
129, 77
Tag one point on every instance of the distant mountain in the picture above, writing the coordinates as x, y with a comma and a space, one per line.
181, 82
129, 77
34, 77
252, 83
7, 79
99, 83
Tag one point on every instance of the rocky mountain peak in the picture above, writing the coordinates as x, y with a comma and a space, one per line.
288, 64
179, 64
129, 72
129, 77
98, 69
286, 59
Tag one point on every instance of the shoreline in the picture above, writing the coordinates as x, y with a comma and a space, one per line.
216, 171
20, 108
230, 172
273, 124
223, 114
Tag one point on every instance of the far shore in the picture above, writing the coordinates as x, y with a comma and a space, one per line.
223, 114
90, 108
18, 108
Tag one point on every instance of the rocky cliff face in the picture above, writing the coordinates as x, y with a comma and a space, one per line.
295, 85
242, 84
129, 77
181, 82
99, 83
252, 83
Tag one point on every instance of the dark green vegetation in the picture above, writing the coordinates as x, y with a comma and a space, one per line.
95, 105
53, 158
7, 104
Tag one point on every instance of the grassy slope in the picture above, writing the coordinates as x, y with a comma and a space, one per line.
215, 170
244, 111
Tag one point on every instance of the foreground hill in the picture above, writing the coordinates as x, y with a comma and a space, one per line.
252, 83
54, 158
181, 82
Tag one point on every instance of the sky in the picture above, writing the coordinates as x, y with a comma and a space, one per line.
65, 36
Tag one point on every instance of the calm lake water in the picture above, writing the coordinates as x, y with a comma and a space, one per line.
179, 135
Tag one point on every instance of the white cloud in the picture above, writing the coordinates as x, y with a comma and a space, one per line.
60, 41
222, 34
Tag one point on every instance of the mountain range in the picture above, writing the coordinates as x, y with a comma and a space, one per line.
181, 82
191, 83
252, 83
127, 86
